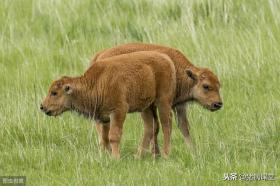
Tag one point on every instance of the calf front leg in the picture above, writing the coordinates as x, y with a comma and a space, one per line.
116, 124
183, 123
103, 135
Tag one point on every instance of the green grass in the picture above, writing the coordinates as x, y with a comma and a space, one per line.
43, 40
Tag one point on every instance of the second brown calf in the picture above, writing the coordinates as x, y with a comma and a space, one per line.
192, 83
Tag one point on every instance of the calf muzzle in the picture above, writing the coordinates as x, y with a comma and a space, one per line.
45, 110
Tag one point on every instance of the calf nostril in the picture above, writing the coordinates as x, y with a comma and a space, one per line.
218, 105
48, 112
41, 107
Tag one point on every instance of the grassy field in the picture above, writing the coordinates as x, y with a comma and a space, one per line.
42, 40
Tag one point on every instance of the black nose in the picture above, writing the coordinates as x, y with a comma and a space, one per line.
217, 105
41, 107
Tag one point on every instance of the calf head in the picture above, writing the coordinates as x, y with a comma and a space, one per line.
58, 98
206, 89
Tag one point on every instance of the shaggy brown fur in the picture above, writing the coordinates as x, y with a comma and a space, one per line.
108, 90
193, 83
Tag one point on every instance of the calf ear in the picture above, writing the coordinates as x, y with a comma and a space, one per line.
68, 89
191, 75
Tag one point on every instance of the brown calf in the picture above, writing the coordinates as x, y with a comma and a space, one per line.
193, 83
108, 90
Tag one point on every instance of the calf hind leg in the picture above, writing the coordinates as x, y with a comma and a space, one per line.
154, 142
166, 119
116, 124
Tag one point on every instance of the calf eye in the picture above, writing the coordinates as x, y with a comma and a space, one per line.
53, 93
206, 87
